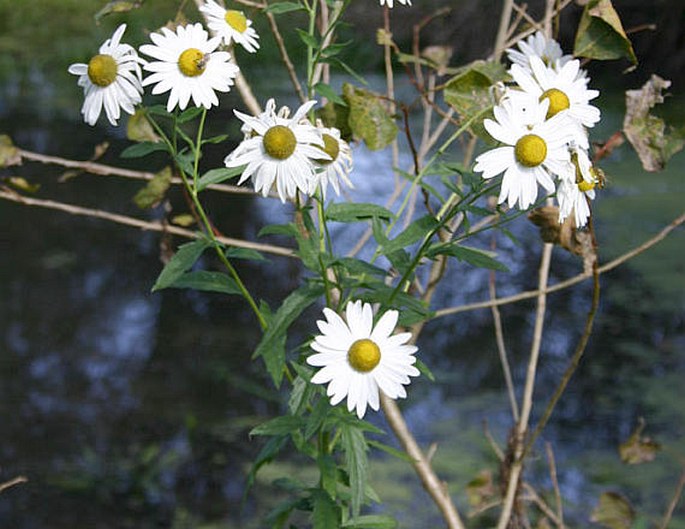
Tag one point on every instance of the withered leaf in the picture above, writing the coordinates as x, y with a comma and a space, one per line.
9, 154
613, 511
638, 449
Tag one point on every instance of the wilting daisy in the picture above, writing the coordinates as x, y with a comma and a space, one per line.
338, 168
231, 25
535, 149
564, 89
537, 45
188, 66
111, 79
278, 149
358, 359
389, 3
573, 193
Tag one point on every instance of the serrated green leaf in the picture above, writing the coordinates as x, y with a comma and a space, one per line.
412, 233
356, 463
278, 229
326, 91
272, 345
297, 395
279, 8
326, 514
189, 114
358, 267
371, 521
142, 149
245, 253
423, 368
182, 260
399, 454
355, 212
207, 281
369, 119
328, 471
652, 139
316, 417
473, 256
216, 139
266, 455
216, 176
601, 35
154, 191
308, 39
285, 424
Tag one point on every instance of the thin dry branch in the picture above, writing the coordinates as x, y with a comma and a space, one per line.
571, 281
140, 224
436, 488
12, 482
555, 485
674, 502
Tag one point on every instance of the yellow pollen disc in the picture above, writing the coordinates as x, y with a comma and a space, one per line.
331, 147
586, 186
364, 355
279, 142
236, 20
530, 150
558, 101
192, 62
102, 70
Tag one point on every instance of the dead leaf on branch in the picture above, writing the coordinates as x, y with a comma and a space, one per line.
613, 511
653, 140
638, 449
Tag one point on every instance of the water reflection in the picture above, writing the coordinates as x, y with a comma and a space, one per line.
127, 409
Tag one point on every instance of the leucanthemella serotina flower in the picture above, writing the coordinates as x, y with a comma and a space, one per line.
188, 65
573, 193
358, 359
279, 150
111, 80
389, 3
537, 45
231, 25
338, 168
535, 149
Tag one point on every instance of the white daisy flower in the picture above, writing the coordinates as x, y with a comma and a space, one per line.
338, 168
573, 193
231, 25
111, 79
358, 360
278, 149
537, 45
535, 150
389, 3
564, 89
188, 66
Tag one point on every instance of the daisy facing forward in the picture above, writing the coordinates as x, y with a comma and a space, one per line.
359, 360
231, 25
188, 66
535, 150
279, 150
111, 79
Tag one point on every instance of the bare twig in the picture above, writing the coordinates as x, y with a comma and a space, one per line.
505, 18
140, 224
285, 57
674, 502
542, 505
527, 401
555, 485
569, 282
436, 488
12, 482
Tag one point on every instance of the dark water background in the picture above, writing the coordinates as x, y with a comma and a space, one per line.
127, 409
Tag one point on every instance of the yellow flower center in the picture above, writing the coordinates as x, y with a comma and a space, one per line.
530, 150
558, 101
279, 142
584, 185
363, 355
236, 20
192, 62
331, 147
102, 70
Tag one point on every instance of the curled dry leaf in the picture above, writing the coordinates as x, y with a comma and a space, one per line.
613, 511
652, 139
565, 234
638, 449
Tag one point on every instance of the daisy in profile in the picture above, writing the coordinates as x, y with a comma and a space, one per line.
188, 65
338, 168
564, 89
573, 193
389, 3
534, 151
111, 79
279, 150
537, 45
358, 359
231, 26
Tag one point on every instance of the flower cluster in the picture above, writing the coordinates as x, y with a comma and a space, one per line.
542, 122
